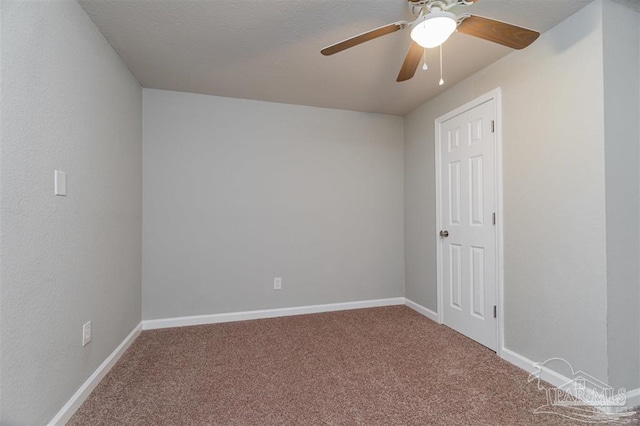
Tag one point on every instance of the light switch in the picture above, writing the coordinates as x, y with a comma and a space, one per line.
60, 185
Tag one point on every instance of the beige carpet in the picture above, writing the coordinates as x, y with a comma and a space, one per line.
381, 366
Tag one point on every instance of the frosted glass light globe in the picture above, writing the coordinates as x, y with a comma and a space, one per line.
436, 28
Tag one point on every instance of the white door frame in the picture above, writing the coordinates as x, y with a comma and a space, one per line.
497, 97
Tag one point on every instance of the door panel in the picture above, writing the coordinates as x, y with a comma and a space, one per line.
455, 280
468, 200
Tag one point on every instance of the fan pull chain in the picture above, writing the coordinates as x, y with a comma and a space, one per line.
441, 79
424, 60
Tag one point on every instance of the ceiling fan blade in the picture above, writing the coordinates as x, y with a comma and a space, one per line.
411, 62
361, 38
498, 32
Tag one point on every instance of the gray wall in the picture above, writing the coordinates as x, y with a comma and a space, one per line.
68, 103
554, 199
621, 26
237, 192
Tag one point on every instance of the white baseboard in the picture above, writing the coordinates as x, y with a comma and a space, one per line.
267, 313
433, 316
546, 374
89, 385
559, 380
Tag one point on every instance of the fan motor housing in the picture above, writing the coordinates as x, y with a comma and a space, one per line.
418, 6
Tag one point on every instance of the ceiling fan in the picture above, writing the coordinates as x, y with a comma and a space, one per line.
434, 25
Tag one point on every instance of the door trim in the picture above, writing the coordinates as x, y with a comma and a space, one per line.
495, 95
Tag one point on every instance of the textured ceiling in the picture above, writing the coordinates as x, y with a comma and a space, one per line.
633, 4
270, 49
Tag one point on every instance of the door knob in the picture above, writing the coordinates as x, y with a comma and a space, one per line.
444, 233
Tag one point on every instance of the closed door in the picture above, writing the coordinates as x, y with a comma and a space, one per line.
468, 232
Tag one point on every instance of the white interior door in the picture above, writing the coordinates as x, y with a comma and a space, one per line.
468, 233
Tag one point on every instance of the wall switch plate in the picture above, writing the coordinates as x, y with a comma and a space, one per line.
86, 333
60, 182
277, 283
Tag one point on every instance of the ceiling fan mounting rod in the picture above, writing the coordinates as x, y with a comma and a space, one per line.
444, 5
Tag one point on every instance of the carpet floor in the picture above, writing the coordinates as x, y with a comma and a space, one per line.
379, 366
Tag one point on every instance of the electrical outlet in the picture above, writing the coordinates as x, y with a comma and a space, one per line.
277, 283
86, 333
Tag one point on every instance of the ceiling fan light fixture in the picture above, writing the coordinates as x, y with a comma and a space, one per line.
435, 29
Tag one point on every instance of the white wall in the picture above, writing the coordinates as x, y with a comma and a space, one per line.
237, 192
554, 198
621, 30
67, 103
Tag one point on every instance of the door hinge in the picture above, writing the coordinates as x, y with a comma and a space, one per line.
495, 311
493, 126
494, 218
